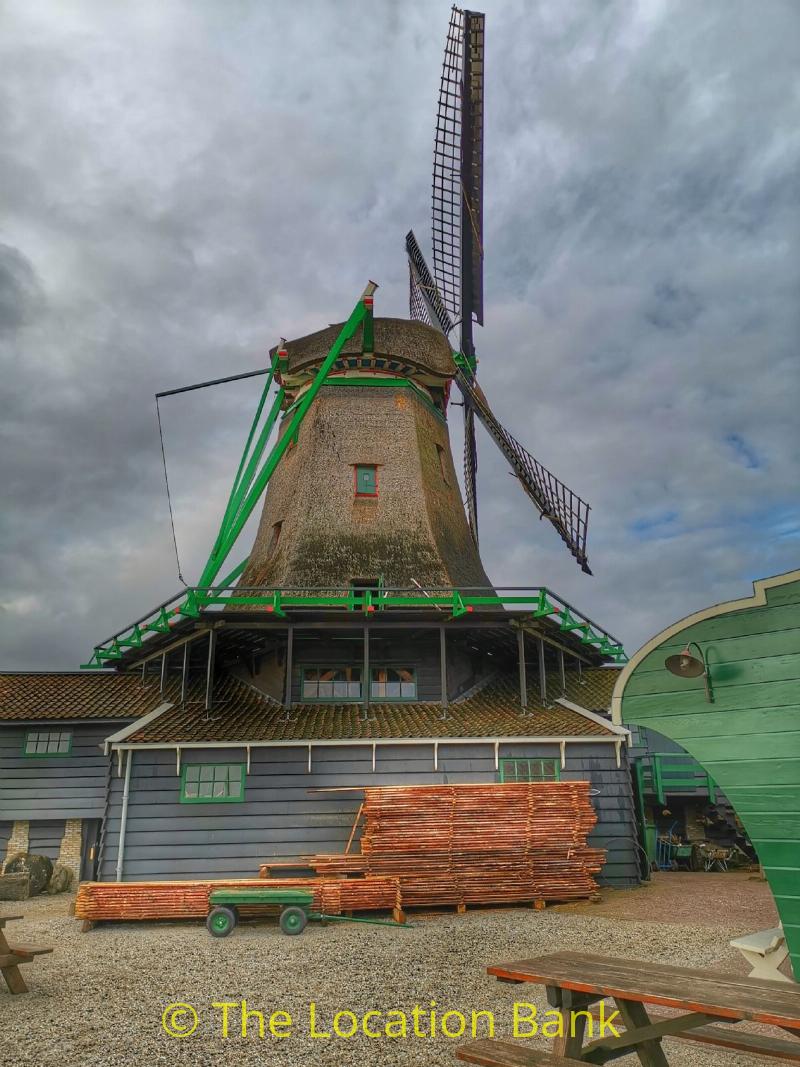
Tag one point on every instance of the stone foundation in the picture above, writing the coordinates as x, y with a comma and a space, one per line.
69, 854
18, 842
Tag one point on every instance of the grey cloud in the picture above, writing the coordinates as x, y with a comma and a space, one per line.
185, 182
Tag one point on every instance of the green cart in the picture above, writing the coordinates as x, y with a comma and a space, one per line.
295, 910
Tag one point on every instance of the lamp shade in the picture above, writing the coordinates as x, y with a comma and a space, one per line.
685, 665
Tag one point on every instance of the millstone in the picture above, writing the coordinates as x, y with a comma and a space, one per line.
15, 886
40, 868
60, 880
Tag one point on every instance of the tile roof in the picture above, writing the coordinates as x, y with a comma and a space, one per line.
242, 714
69, 695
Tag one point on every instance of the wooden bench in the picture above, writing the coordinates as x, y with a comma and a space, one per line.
765, 951
11, 956
575, 981
488, 1052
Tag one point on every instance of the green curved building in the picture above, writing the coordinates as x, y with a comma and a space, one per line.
745, 731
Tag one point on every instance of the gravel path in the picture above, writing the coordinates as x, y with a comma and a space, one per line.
99, 998
738, 898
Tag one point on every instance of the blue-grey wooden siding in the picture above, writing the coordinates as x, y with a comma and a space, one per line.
280, 818
44, 837
59, 787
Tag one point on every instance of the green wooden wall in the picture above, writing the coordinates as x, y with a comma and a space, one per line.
748, 739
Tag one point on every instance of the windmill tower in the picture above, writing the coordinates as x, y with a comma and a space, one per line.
367, 493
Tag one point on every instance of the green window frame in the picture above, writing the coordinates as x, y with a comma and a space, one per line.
366, 480
538, 769
212, 783
47, 743
394, 684
339, 685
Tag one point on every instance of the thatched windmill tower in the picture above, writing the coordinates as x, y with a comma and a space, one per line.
367, 492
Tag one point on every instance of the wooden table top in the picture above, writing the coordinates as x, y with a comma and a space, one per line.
728, 996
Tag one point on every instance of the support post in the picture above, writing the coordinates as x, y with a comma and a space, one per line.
163, 682
561, 670
287, 699
443, 669
123, 816
185, 673
542, 676
365, 677
212, 647
523, 679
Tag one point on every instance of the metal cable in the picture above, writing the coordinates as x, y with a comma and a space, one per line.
169, 496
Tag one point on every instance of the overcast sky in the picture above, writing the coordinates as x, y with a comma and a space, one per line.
183, 182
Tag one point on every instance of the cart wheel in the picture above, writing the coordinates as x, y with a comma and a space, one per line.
293, 920
221, 921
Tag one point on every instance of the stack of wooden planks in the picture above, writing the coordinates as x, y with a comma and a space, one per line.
476, 844
127, 901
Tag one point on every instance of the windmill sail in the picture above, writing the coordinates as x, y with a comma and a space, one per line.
555, 501
458, 171
452, 295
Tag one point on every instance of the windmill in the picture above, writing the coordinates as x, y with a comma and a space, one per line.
451, 296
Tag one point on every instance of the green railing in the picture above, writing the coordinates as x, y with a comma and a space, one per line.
663, 773
537, 602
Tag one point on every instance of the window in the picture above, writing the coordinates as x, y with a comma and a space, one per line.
48, 743
529, 770
393, 683
366, 481
212, 783
331, 683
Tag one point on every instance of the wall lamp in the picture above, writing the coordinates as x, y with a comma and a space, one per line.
685, 665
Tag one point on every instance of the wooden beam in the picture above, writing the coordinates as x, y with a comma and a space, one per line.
287, 700
523, 679
365, 678
443, 666
542, 674
212, 646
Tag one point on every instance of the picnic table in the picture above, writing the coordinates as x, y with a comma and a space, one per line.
11, 956
575, 981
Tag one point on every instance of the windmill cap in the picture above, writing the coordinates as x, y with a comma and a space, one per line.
415, 345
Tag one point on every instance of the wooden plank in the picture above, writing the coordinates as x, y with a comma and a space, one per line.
14, 980
684, 988
488, 1052
31, 950
738, 1040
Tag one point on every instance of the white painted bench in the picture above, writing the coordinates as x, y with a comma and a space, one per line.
765, 951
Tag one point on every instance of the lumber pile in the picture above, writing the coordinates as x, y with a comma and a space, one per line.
128, 901
475, 844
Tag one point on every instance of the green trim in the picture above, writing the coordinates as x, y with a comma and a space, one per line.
248, 487
380, 382
184, 799
539, 601
47, 755
507, 762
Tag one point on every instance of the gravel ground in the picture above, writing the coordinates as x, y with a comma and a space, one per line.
739, 899
99, 998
